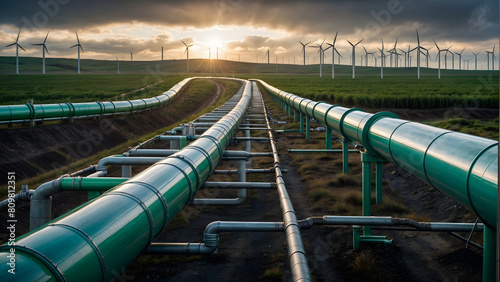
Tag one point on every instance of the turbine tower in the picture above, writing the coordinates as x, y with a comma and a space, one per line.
267, 54
407, 54
187, 53
78, 46
382, 59
131, 56
118, 62
366, 56
44, 48
209, 55
419, 50
333, 53
354, 57
460, 59
217, 51
439, 57
320, 56
488, 58
475, 58
17, 50
427, 56
392, 52
304, 50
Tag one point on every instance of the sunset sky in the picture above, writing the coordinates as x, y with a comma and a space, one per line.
244, 29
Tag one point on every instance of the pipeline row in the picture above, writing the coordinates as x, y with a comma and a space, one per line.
460, 165
30, 113
106, 234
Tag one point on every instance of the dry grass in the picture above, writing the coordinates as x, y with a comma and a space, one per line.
365, 266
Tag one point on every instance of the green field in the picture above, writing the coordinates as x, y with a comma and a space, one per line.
399, 89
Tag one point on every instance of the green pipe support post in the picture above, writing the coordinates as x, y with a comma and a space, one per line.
301, 123
328, 138
345, 156
308, 127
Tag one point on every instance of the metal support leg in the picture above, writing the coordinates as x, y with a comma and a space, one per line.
328, 138
242, 177
248, 148
126, 171
345, 156
378, 182
294, 116
301, 123
308, 128
489, 254
289, 109
366, 189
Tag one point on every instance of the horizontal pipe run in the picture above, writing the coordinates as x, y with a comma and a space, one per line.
123, 160
239, 185
320, 151
90, 184
248, 171
211, 237
167, 152
391, 221
252, 139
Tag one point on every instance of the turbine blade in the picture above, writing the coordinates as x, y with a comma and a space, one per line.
37, 44
45, 47
301, 43
190, 45
21, 47
350, 43
74, 46
80, 46
436, 45
359, 42
308, 43
418, 38
184, 43
19, 33
335, 39
323, 42
46, 38
365, 49
11, 44
77, 39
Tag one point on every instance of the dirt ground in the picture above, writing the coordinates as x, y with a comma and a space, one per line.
417, 256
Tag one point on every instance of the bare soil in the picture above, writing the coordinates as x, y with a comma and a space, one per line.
417, 256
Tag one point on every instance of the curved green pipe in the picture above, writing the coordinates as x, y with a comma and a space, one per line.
463, 166
17, 113
100, 238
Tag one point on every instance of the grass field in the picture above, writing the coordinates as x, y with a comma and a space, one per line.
399, 89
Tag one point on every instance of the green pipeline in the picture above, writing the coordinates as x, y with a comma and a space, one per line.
463, 166
15, 113
97, 240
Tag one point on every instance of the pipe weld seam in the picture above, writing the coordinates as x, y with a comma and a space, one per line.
425, 156
90, 242
190, 163
185, 176
217, 143
144, 207
206, 154
159, 195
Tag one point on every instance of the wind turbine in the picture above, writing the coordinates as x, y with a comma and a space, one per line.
419, 50
267, 54
427, 56
17, 50
304, 50
407, 53
487, 56
382, 59
333, 53
217, 51
439, 57
366, 56
44, 48
354, 57
475, 57
460, 59
78, 46
131, 56
393, 51
209, 55
320, 56
187, 53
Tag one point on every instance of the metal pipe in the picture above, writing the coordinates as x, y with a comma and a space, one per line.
296, 252
131, 215
23, 195
239, 185
123, 160
248, 171
320, 151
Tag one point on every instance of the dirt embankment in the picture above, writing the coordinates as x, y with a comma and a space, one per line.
32, 151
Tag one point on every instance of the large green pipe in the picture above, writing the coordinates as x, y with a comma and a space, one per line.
463, 166
101, 237
20, 113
